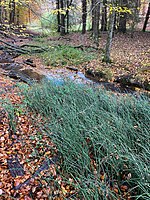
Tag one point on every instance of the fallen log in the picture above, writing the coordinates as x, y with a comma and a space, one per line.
72, 68
20, 49
44, 166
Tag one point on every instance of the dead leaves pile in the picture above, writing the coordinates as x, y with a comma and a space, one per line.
31, 148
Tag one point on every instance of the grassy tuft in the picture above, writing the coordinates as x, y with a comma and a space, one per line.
103, 139
10, 110
66, 55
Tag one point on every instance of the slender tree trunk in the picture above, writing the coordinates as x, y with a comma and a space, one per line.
110, 35
17, 17
69, 3
84, 16
12, 12
93, 3
123, 18
146, 18
96, 22
104, 16
115, 21
4, 12
0, 12
135, 16
67, 15
62, 28
58, 15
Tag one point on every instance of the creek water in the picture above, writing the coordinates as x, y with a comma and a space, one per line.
59, 76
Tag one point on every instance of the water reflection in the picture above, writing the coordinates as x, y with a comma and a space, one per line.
58, 77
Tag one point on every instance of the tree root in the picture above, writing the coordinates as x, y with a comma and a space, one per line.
20, 49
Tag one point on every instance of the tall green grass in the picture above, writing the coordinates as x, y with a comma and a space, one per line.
66, 55
10, 110
94, 126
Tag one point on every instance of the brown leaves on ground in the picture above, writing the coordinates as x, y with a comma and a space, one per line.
24, 143
129, 55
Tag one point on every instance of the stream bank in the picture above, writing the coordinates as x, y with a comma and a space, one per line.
29, 69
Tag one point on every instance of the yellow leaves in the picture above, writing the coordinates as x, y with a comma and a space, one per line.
62, 11
9, 152
2, 3
119, 9
47, 153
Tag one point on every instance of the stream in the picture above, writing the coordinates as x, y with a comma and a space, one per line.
26, 71
58, 77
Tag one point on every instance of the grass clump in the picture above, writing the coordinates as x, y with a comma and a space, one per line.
103, 139
66, 55
62, 55
10, 110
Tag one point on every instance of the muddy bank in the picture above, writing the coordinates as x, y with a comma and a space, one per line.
24, 71
58, 76
28, 71
125, 81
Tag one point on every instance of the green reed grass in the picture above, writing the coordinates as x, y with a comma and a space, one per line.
94, 125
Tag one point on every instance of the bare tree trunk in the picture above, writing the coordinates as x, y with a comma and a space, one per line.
110, 35
84, 16
135, 16
104, 16
69, 3
96, 18
67, 15
93, 3
123, 18
5, 12
0, 12
146, 18
115, 21
62, 28
12, 12
58, 15
17, 17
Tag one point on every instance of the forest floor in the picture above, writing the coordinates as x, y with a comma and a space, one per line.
130, 56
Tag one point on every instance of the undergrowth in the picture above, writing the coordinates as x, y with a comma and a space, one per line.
62, 55
66, 55
103, 139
